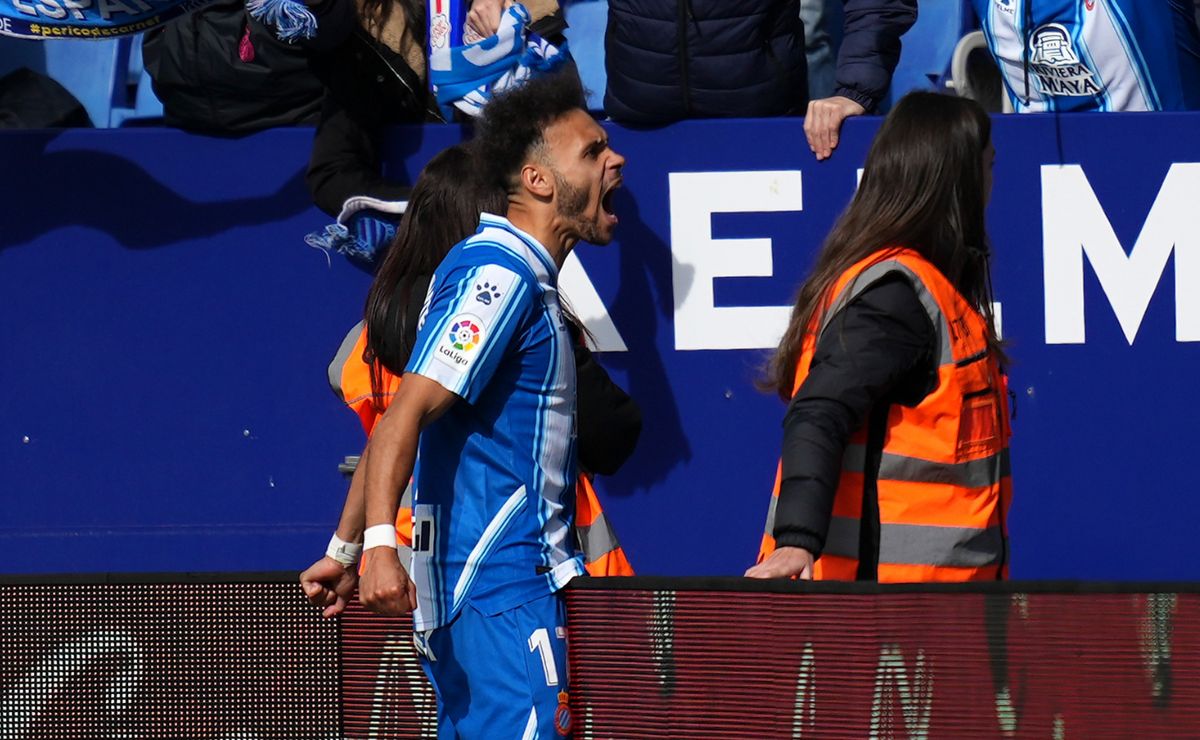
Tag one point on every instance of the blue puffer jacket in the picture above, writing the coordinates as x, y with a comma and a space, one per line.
674, 59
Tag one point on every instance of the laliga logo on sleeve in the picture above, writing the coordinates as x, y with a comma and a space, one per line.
465, 334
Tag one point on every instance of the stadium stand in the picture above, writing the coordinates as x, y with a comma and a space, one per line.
105, 75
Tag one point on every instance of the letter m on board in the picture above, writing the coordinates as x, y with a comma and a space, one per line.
1075, 226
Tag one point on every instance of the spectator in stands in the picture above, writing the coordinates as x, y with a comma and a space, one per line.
361, 67
445, 207
669, 60
895, 445
345, 172
1107, 55
379, 78
217, 70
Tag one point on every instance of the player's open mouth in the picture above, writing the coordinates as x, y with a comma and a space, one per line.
606, 201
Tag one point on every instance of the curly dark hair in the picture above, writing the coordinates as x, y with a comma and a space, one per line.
514, 122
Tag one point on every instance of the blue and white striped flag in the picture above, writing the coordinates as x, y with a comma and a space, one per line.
466, 75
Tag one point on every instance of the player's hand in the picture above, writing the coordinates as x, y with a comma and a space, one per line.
785, 562
330, 584
483, 19
824, 120
385, 587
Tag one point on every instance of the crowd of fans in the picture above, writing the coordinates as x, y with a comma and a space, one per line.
362, 65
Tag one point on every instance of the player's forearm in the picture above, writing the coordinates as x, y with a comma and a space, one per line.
392, 453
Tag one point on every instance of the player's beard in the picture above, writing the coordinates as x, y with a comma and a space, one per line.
572, 203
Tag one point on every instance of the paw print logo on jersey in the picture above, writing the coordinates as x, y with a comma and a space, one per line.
465, 335
487, 293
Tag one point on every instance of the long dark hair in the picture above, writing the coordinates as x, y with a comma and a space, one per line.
378, 11
923, 188
443, 210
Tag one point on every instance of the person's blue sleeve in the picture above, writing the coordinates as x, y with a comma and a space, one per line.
870, 48
472, 322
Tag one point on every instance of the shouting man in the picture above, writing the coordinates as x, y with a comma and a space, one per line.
489, 392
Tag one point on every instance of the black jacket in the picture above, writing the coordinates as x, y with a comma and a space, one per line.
217, 70
877, 351
674, 59
870, 48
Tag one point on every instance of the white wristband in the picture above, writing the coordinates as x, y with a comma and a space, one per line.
380, 535
346, 553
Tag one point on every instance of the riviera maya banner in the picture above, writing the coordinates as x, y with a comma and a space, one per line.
87, 19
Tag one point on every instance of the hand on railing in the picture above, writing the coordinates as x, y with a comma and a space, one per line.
785, 562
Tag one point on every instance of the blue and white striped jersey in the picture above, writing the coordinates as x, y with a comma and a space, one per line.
494, 486
1082, 55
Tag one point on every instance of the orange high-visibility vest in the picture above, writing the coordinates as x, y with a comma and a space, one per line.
350, 379
943, 482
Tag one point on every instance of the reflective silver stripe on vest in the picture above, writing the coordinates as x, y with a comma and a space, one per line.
597, 539
406, 497
842, 539
877, 272
923, 544
339, 360
770, 529
985, 471
920, 544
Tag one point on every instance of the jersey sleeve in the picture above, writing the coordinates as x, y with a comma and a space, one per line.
472, 321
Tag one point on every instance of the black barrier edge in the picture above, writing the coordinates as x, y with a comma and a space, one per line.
649, 583
88, 579
785, 586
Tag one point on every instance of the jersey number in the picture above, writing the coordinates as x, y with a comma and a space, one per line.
539, 642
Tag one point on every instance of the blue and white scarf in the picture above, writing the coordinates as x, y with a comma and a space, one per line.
363, 231
466, 75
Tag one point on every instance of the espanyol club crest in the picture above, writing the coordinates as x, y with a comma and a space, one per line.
439, 31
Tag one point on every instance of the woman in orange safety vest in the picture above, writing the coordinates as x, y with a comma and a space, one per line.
443, 210
895, 453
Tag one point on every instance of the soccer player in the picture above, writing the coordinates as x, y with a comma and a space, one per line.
489, 393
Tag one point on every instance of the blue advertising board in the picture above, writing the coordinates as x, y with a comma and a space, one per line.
165, 334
